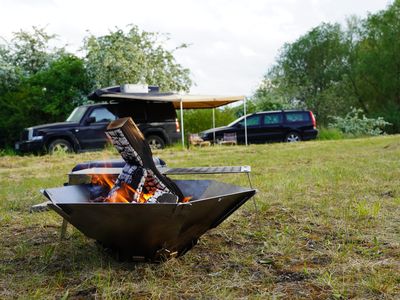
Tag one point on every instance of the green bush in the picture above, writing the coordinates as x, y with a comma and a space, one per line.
7, 152
330, 134
355, 123
196, 120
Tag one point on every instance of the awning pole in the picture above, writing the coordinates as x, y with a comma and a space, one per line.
213, 115
182, 129
245, 120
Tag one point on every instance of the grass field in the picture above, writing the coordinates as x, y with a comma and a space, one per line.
328, 227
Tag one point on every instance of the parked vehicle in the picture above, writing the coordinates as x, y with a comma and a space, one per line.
84, 128
269, 126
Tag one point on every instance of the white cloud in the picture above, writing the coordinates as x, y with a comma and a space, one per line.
247, 52
233, 41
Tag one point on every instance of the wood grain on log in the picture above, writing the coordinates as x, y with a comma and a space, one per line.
140, 172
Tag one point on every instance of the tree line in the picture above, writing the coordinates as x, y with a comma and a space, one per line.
333, 68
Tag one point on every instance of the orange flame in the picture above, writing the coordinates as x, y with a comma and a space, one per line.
124, 194
187, 199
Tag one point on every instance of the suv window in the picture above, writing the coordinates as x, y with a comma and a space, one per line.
77, 114
301, 116
102, 114
251, 121
271, 119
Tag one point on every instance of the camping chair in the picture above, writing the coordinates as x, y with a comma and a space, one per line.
196, 140
229, 139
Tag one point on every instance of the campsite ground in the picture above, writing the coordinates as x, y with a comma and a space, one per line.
328, 226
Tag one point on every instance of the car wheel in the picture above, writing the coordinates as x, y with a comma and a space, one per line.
293, 137
59, 146
155, 142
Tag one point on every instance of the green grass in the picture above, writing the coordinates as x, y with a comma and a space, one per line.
7, 152
330, 134
328, 226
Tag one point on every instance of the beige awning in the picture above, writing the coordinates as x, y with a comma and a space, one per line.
188, 101
201, 101
179, 101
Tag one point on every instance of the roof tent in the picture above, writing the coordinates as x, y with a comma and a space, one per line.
180, 101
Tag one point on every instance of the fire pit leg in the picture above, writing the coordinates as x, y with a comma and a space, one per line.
63, 229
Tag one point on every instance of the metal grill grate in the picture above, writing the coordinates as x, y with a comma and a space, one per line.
207, 170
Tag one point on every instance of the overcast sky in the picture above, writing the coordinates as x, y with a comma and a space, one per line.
233, 42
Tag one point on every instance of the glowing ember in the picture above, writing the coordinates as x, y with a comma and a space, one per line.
187, 199
124, 194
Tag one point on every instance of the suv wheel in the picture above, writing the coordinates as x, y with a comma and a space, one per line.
155, 142
60, 145
293, 137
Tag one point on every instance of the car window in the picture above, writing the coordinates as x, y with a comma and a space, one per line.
270, 119
77, 114
301, 116
251, 121
102, 114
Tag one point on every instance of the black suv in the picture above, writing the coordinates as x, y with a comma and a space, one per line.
269, 126
84, 128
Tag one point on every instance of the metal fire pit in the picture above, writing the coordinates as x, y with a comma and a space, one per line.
150, 231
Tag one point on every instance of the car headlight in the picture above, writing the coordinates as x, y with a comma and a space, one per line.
37, 138
33, 138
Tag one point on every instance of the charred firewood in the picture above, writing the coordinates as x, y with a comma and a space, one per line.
144, 182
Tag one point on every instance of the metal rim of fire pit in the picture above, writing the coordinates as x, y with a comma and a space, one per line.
174, 229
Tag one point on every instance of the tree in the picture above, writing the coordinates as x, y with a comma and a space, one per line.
330, 69
9, 73
270, 95
378, 73
311, 70
134, 57
30, 51
39, 84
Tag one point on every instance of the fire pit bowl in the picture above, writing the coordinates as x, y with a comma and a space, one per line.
150, 231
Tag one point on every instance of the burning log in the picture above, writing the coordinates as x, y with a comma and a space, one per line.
140, 181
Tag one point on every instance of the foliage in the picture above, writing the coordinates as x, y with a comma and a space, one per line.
9, 73
134, 57
7, 152
330, 134
379, 67
332, 68
47, 96
30, 51
64, 85
310, 70
269, 97
40, 84
238, 110
196, 120
357, 124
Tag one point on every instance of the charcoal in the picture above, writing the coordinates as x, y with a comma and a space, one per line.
97, 191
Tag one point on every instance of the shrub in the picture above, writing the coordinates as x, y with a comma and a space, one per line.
196, 120
330, 134
7, 152
355, 123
